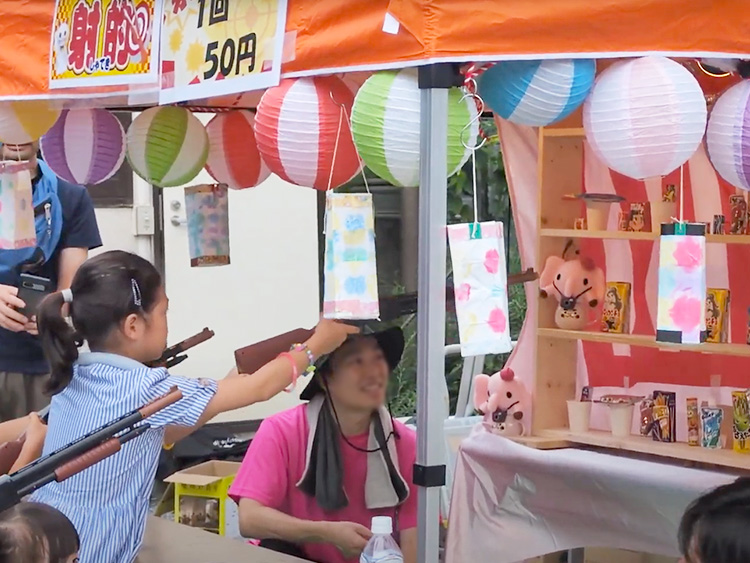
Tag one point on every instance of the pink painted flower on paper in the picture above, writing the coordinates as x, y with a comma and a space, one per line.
492, 261
688, 253
686, 313
498, 321
463, 292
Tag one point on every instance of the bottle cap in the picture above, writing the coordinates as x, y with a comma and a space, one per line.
382, 525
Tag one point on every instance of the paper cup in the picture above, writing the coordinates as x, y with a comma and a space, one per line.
579, 413
621, 419
597, 214
662, 212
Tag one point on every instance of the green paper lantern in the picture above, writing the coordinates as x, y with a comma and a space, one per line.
167, 146
386, 126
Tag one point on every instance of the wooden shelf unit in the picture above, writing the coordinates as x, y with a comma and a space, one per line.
560, 172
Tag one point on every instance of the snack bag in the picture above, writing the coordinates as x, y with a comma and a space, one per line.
615, 313
350, 269
740, 422
711, 418
717, 314
665, 416
693, 422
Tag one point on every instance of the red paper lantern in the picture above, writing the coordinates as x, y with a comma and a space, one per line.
297, 126
233, 156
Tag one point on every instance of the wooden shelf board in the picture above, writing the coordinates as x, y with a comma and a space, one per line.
646, 445
646, 341
627, 235
542, 442
563, 132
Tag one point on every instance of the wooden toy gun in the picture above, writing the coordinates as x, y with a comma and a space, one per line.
81, 454
175, 354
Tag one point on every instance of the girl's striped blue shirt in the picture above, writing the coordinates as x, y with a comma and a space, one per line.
108, 502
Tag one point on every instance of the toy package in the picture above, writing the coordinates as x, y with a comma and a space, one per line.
640, 217
615, 314
740, 422
717, 314
665, 416
669, 193
738, 213
693, 422
711, 418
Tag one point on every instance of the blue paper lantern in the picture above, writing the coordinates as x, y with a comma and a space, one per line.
536, 93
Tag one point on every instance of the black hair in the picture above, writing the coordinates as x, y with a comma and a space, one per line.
31, 532
106, 289
714, 527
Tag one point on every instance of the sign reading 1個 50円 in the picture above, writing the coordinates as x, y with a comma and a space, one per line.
104, 42
217, 47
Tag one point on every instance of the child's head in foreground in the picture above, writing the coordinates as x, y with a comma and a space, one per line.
716, 527
36, 533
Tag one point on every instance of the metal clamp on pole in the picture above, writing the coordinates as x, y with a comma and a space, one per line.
429, 476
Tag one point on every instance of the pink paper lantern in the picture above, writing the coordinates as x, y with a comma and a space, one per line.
296, 127
233, 156
84, 146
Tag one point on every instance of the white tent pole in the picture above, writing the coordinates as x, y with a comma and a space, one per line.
429, 470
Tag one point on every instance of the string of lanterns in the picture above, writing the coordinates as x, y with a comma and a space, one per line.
643, 117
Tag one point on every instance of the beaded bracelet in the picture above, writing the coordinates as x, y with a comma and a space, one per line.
295, 371
310, 369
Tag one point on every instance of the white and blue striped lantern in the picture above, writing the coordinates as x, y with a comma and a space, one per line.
728, 135
536, 93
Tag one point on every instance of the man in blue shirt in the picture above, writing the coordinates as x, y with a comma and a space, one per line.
66, 211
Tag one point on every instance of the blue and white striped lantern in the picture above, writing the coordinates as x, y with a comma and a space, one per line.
536, 93
728, 135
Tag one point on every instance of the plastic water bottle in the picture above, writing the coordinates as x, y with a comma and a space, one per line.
382, 548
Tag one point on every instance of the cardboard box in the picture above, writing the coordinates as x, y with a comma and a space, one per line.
201, 497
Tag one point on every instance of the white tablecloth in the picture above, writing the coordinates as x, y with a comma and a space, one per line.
511, 502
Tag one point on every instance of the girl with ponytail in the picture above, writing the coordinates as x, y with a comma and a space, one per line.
117, 305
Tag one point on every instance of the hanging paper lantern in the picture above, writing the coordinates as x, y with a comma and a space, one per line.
297, 126
645, 117
233, 156
728, 136
25, 122
386, 126
84, 146
536, 93
167, 146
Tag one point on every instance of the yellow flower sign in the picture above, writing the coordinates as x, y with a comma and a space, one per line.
217, 47
104, 42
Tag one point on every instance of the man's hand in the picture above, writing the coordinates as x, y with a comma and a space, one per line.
10, 318
349, 537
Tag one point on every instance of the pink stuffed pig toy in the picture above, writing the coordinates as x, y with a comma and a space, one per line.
578, 285
504, 401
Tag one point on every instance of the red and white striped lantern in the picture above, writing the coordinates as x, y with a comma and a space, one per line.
299, 126
233, 156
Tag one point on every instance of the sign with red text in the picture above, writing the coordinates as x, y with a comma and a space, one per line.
218, 47
104, 43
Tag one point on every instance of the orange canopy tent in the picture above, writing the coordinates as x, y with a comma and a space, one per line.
326, 37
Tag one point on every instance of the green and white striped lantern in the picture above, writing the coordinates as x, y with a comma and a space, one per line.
167, 146
385, 126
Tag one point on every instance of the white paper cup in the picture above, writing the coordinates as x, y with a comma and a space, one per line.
597, 214
579, 414
621, 419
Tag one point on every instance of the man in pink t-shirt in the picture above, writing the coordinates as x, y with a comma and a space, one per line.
315, 475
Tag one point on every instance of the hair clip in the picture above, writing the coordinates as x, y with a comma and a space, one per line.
136, 293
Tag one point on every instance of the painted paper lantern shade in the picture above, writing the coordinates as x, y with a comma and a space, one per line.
536, 93
84, 146
296, 126
645, 117
233, 156
728, 135
385, 126
26, 121
167, 146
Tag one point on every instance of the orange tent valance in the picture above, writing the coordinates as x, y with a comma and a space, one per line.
334, 36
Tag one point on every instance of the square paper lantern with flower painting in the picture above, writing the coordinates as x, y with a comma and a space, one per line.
681, 315
481, 286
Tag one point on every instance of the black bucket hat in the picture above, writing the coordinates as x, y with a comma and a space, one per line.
390, 340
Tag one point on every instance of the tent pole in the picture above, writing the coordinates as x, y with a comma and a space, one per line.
429, 470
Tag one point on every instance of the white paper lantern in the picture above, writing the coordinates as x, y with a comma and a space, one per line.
728, 136
645, 117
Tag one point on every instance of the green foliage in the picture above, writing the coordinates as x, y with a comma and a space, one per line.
493, 202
